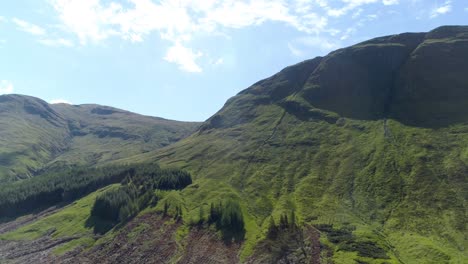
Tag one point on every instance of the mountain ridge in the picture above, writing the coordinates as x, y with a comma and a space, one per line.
43, 135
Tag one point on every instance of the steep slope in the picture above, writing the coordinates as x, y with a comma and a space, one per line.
372, 137
35, 135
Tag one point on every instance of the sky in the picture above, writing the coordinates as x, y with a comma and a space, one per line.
182, 59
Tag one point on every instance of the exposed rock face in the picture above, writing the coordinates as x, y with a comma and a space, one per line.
419, 79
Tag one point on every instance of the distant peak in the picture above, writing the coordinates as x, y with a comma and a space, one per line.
448, 32
20, 98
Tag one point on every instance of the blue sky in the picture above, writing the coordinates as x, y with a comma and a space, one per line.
183, 59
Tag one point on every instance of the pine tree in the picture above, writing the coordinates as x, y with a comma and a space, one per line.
166, 208
293, 220
201, 215
272, 229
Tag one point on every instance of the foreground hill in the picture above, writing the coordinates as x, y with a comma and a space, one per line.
365, 151
373, 137
35, 136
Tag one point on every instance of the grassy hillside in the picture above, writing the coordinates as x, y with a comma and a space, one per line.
35, 135
368, 147
336, 139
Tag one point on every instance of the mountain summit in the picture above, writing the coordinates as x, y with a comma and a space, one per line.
416, 78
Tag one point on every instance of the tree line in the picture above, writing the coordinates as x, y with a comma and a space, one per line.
63, 185
227, 217
118, 205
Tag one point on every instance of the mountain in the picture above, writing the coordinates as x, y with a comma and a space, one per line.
373, 136
365, 151
35, 135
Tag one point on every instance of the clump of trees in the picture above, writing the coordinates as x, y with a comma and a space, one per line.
66, 184
285, 241
120, 204
60, 185
116, 205
229, 219
161, 179
286, 224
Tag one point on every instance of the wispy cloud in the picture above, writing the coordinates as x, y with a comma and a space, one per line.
29, 27
43, 37
6, 87
217, 62
300, 46
184, 57
60, 101
442, 9
390, 2
295, 51
59, 42
179, 22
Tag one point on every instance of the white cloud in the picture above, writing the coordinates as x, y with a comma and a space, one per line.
299, 46
348, 6
295, 51
176, 21
179, 22
28, 27
445, 8
217, 62
60, 101
184, 57
59, 42
357, 13
390, 2
2, 19
348, 33
6, 87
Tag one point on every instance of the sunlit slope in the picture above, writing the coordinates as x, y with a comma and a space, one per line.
374, 136
35, 135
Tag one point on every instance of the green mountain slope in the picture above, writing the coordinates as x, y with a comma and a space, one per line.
35, 135
367, 145
374, 136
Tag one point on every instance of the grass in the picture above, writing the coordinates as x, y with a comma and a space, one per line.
347, 174
35, 135
401, 182
332, 174
71, 221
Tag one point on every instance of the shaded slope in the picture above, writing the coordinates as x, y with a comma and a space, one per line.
31, 134
35, 135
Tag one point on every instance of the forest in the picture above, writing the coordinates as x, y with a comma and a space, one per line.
64, 185
120, 204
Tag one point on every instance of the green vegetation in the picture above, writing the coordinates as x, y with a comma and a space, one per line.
229, 219
60, 186
114, 206
40, 136
275, 147
137, 192
72, 220
346, 241
357, 144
